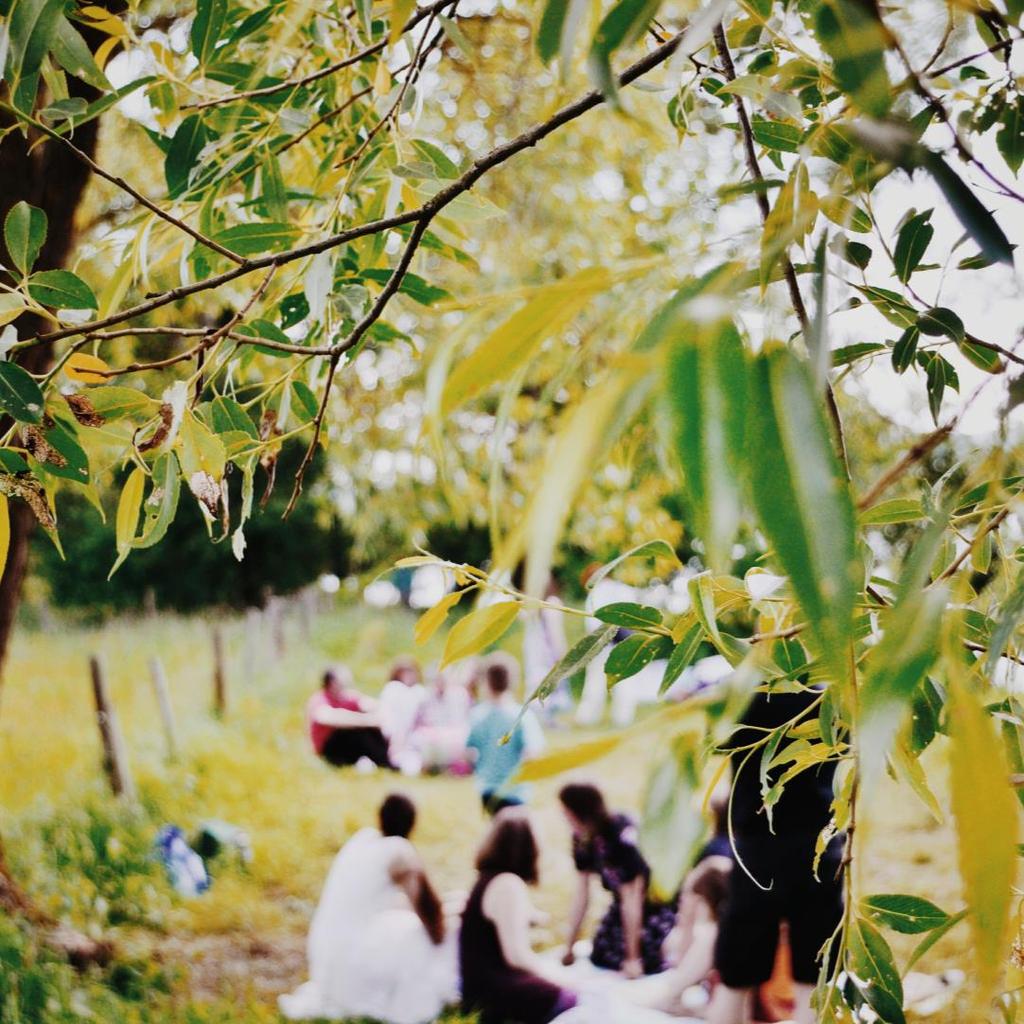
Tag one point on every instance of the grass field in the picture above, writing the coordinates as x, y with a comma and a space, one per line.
225, 956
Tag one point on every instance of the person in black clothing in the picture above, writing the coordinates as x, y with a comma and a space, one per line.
502, 977
633, 930
780, 856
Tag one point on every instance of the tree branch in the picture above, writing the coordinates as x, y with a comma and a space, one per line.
1003, 44
462, 184
119, 182
358, 332
297, 83
795, 298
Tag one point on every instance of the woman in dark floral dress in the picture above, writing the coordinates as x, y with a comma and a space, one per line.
631, 933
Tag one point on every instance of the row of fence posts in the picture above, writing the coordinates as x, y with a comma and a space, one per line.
267, 621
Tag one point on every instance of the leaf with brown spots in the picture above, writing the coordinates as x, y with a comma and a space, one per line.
162, 430
82, 409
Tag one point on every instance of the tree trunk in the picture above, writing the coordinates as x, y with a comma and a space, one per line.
46, 174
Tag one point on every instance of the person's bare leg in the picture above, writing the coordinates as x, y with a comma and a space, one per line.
730, 1006
802, 1010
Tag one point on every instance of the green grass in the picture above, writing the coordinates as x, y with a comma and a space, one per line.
224, 957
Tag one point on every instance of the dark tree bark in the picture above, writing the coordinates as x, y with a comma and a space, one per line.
47, 175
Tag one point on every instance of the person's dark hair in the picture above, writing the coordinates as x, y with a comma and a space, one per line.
500, 671
328, 678
397, 815
710, 881
510, 846
586, 804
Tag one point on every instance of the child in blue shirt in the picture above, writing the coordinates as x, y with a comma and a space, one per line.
495, 763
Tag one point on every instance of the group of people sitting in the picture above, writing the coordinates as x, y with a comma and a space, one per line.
384, 945
451, 725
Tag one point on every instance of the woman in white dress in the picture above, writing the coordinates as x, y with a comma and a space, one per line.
377, 945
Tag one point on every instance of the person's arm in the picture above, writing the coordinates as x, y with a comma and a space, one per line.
507, 905
342, 718
631, 906
580, 903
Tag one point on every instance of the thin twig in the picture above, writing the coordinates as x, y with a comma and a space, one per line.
390, 288
754, 167
913, 455
995, 47
120, 183
329, 116
297, 83
994, 523
497, 156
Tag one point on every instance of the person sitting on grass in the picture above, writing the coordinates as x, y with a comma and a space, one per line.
378, 944
399, 704
495, 760
342, 723
632, 931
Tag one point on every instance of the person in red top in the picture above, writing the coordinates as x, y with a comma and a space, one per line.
342, 722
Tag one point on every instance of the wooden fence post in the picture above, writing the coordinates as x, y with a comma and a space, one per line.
163, 700
220, 682
115, 759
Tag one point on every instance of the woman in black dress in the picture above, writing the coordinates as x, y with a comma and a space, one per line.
502, 977
630, 935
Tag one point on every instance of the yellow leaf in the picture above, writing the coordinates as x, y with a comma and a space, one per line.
412, 561
400, 11
201, 450
382, 79
986, 815
82, 367
478, 629
104, 50
127, 519
570, 757
430, 621
5, 532
516, 340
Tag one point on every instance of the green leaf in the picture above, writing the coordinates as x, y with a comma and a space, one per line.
114, 403
672, 827
851, 353
61, 289
941, 322
978, 222
846, 214
981, 356
682, 657
852, 34
650, 548
162, 503
228, 415
31, 25
305, 400
629, 615
633, 654
419, 290
927, 943
183, 154
436, 157
20, 396
1010, 137
909, 915
913, 240
72, 52
877, 979
776, 135
905, 349
479, 629
909, 646
988, 830
706, 384
896, 510
67, 459
207, 27
12, 461
622, 25
802, 499
254, 239
275, 192
24, 234
581, 654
